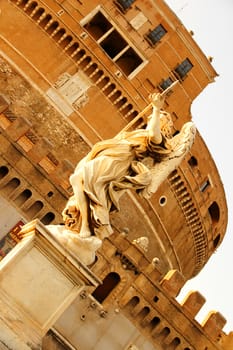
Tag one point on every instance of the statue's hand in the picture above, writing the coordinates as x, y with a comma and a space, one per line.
157, 100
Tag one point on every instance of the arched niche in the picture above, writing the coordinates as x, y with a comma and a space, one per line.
109, 283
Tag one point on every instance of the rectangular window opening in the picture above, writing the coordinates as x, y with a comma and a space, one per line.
183, 68
156, 34
98, 26
129, 61
114, 44
166, 83
124, 5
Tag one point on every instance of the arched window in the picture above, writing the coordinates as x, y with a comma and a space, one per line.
34, 209
175, 343
143, 313
103, 290
153, 323
11, 185
48, 218
23, 197
214, 212
132, 302
164, 333
3, 171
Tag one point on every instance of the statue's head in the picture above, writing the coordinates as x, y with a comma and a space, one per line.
183, 141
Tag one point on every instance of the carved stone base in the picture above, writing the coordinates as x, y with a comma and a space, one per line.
39, 280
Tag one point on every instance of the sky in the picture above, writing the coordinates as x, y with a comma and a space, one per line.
212, 24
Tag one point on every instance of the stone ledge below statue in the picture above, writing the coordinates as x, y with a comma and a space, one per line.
39, 280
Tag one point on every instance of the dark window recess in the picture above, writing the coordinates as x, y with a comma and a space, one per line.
192, 161
124, 4
112, 42
48, 218
156, 34
11, 185
166, 83
183, 68
3, 171
103, 290
129, 61
34, 209
132, 303
98, 26
23, 197
214, 212
217, 240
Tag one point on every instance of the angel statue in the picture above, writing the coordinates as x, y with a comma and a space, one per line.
138, 160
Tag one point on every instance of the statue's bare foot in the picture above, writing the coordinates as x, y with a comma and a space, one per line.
83, 245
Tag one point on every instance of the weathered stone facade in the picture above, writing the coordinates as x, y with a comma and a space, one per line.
73, 73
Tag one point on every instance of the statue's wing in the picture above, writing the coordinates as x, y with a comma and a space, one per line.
181, 144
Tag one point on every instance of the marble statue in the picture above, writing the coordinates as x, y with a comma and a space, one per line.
138, 160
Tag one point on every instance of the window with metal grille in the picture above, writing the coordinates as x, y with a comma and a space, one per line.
156, 34
122, 53
183, 68
124, 4
166, 83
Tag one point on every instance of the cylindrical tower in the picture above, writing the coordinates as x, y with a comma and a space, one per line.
73, 73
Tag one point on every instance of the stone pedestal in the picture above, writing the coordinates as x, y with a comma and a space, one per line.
39, 279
